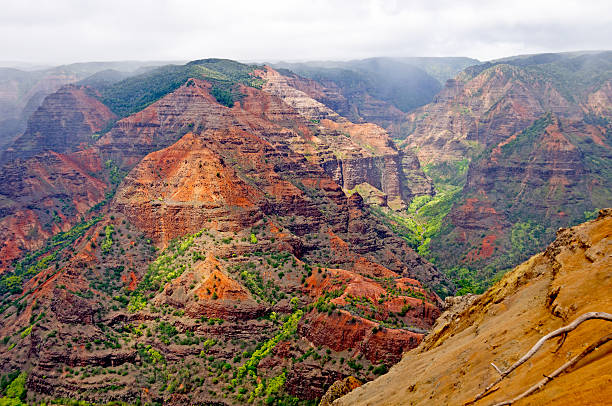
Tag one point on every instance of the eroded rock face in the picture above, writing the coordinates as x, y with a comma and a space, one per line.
600, 101
160, 198
49, 176
350, 153
529, 142
540, 178
178, 190
21, 93
281, 177
484, 110
356, 335
221, 241
65, 120
45, 198
353, 153
553, 288
351, 100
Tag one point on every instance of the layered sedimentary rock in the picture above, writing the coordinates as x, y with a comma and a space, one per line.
227, 247
21, 93
365, 155
552, 289
537, 142
475, 112
226, 166
44, 195
65, 120
540, 179
50, 176
169, 198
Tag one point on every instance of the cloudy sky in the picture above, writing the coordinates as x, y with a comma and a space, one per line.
63, 31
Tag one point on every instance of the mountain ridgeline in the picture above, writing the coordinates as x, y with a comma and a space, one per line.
378, 90
189, 235
22, 92
479, 334
532, 140
226, 233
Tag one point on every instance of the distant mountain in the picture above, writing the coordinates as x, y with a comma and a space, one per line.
204, 231
22, 91
380, 90
525, 146
441, 68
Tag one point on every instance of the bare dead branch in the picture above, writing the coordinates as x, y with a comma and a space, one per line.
561, 341
560, 370
496, 368
539, 344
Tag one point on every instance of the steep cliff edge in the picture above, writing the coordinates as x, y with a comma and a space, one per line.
65, 120
351, 153
516, 148
225, 247
523, 189
69, 123
50, 176
475, 112
452, 365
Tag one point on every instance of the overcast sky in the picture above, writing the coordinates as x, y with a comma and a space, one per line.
63, 31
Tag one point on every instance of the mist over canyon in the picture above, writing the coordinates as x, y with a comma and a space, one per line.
380, 231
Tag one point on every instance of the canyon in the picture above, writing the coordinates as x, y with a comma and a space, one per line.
207, 237
222, 233
453, 364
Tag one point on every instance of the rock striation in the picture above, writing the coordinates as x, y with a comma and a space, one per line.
526, 141
65, 120
207, 238
453, 364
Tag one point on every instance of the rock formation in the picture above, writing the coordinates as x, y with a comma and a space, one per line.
453, 364
534, 138
201, 237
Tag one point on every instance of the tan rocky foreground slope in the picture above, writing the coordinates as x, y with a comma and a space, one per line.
453, 364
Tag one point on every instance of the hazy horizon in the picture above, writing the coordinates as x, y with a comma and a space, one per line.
71, 31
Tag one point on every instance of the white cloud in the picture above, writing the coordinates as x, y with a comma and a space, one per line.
76, 30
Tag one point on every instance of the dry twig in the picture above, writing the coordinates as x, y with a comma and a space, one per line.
538, 345
561, 369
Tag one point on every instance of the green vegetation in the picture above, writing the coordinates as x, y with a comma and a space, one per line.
591, 215
223, 96
115, 174
26, 332
288, 329
524, 236
450, 173
135, 93
263, 289
526, 139
466, 280
12, 281
107, 243
164, 269
380, 369
13, 389
424, 217
423, 220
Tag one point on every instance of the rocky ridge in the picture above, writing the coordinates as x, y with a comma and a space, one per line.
524, 146
225, 251
453, 364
